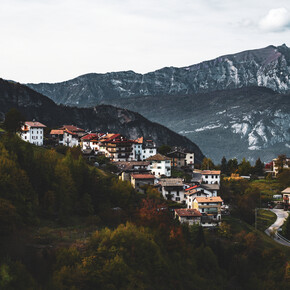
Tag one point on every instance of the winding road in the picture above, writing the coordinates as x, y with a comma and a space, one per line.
281, 217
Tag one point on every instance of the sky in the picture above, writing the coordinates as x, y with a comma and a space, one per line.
57, 40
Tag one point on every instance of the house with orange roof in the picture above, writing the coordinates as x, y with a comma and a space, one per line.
33, 132
208, 205
211, 176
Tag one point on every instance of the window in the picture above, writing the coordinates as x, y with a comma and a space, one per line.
205, 176
177, 198
177, 193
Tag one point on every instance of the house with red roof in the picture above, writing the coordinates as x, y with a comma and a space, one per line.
91, 141
33, 132
117, 147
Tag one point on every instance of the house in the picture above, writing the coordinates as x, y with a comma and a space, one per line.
160, 165
117, 147
91, 141
190, 216
32, 132
189, 159
209, 205
126, 168
57, 136
286, 196
140, 180
149, 149
203, 190
177, 158
137, 149
211, 176
172, 189
70, 139
76, 130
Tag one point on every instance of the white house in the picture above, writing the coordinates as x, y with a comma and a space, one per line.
70, 139
160, 165
173, 189
211, 176
148, 149
137, 151
32, 132
90, 141
189, 159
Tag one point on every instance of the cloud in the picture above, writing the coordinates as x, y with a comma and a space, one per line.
276, 20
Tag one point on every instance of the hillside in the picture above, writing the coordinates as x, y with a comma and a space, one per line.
267, 67
248, 122
103, 118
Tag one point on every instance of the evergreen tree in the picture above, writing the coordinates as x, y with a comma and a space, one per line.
244, 167
258, 168
13, 121
224, 166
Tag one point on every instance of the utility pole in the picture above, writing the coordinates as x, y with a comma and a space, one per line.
255, 218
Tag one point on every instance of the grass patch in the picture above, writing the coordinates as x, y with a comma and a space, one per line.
265, 218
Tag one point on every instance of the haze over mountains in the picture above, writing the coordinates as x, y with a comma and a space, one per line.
220, 104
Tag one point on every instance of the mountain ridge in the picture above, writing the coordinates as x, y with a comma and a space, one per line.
269, 67
102, 118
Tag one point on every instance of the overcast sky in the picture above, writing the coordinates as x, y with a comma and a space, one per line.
56, 40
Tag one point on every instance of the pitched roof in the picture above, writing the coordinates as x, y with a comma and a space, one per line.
139, 140
34, 124
143, 176
56, 132
90, 136
72, 128
194, 191
171, 181
192, 187
69, 132
188, 212
204, 172
158, 157
209, 199
210, 186
286, 190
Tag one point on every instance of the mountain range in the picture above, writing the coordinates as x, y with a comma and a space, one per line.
102, 118
235, 105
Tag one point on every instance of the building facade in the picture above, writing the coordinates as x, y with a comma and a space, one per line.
33, 132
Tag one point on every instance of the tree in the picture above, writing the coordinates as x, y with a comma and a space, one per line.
281, 161
284, 178
207, 164
13, 121
224, 166
232, 165
259, 168
164, 149
244, 167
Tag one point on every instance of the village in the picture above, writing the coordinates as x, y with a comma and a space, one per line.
137, 161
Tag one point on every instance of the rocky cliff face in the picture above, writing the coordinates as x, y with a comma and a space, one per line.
248, 122
268, 67
103, 118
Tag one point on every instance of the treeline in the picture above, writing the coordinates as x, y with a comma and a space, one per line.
36, 183
230, 166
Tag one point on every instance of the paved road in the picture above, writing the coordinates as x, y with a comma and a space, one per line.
281, 217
